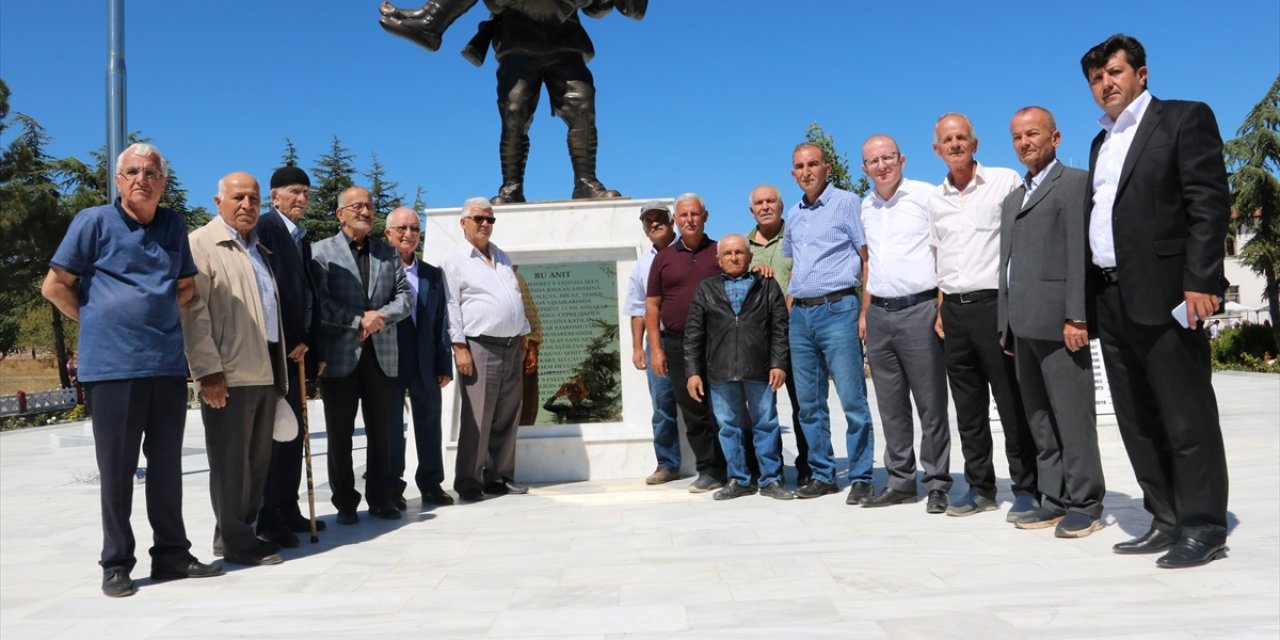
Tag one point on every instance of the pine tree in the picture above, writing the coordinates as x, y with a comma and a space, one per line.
382, 192
290, 157
1253, 158
839, 162
333, 174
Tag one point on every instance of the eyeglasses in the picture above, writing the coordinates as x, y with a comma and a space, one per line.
885, 159
404, 228
149, 175
482, 219
358, 206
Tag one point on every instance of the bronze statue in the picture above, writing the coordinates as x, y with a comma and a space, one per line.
536, 42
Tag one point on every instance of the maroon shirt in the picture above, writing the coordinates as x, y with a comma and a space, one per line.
675, 275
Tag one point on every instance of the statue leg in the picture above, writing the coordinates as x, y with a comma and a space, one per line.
573, 95
518, 88
424, 26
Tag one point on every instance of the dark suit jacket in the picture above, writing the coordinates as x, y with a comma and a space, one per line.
1171, 209
425, 349
1044, 243
342, 299
289, 263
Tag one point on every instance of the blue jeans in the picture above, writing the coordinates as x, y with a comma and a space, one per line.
748, 405
824, 341
666, 433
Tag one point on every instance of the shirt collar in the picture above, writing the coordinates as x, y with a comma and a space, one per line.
777, 237
822, 197
1131, 115
979, 177
679, 242
235, 235
904, 186
746, 275
1039, 177
288, 224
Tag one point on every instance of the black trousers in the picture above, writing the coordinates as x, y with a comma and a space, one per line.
148, 414
425, 406
280, 497
699, 422
368, 388
976, 370
1162, 390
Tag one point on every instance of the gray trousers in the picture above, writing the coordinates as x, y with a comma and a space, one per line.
1057, 392
491, 399
238, 440
906, 359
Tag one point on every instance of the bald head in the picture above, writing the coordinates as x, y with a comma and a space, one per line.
355, 212
883, 162
238, 202
734, 255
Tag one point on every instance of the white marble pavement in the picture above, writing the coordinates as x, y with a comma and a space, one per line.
618, 559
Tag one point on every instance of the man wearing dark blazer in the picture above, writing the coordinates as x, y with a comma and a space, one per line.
1159, 210
426, 364
361, 294
280, 230
1042, 310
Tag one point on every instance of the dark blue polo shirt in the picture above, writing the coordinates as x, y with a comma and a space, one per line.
129, 325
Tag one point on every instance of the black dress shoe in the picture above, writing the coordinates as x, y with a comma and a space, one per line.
384, 511
286, 539
937, 502
1153, 541
505, 487
299, 524
116, 583
435, 495
347, 516
816, 488
858, 492
890, 497
1189, 552
189, 569
470, 494
399, 503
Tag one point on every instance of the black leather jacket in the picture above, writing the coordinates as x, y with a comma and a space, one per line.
722, 347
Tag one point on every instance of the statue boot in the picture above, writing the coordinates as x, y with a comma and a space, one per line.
424, 26
514, 152
582, 154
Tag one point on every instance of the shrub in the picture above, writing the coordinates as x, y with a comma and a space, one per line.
1232, 345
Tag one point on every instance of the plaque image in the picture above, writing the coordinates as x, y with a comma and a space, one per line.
577, 379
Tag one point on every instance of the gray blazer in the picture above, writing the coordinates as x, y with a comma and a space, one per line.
1044, 244
342, 300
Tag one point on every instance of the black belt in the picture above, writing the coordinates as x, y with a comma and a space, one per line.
495, 342
970, 296
902, 302
1107, 275
668, 334
834, 296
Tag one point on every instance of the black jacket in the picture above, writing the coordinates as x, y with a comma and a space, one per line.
722, 347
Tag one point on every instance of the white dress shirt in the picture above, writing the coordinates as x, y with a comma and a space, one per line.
966, 229
266, 282
902, 261
483, 297
1106, 176
638, 283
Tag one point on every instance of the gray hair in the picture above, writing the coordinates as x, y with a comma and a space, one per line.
144, 150
477, 202
691, 196
764, 185
954, 114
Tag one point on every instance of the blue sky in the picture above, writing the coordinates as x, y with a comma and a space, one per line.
701, 95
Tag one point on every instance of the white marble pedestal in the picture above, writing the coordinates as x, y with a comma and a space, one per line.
555, 232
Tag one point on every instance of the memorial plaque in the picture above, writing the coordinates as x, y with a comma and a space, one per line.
578, 365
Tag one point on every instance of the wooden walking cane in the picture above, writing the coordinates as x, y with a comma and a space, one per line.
306, 448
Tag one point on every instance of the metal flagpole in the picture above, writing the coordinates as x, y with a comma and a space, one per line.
115, 91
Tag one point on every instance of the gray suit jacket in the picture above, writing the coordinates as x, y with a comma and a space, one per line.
342, 300
1044, 244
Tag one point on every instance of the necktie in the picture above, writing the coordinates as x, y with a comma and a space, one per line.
1028, 186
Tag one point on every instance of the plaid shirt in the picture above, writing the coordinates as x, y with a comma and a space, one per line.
737, 288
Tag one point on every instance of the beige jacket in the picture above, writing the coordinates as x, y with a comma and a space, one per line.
222, 325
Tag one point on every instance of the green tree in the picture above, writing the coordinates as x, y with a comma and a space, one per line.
382, 192
1253, 158
841, 177
419, 200
290, 157
31, 222
333, 174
